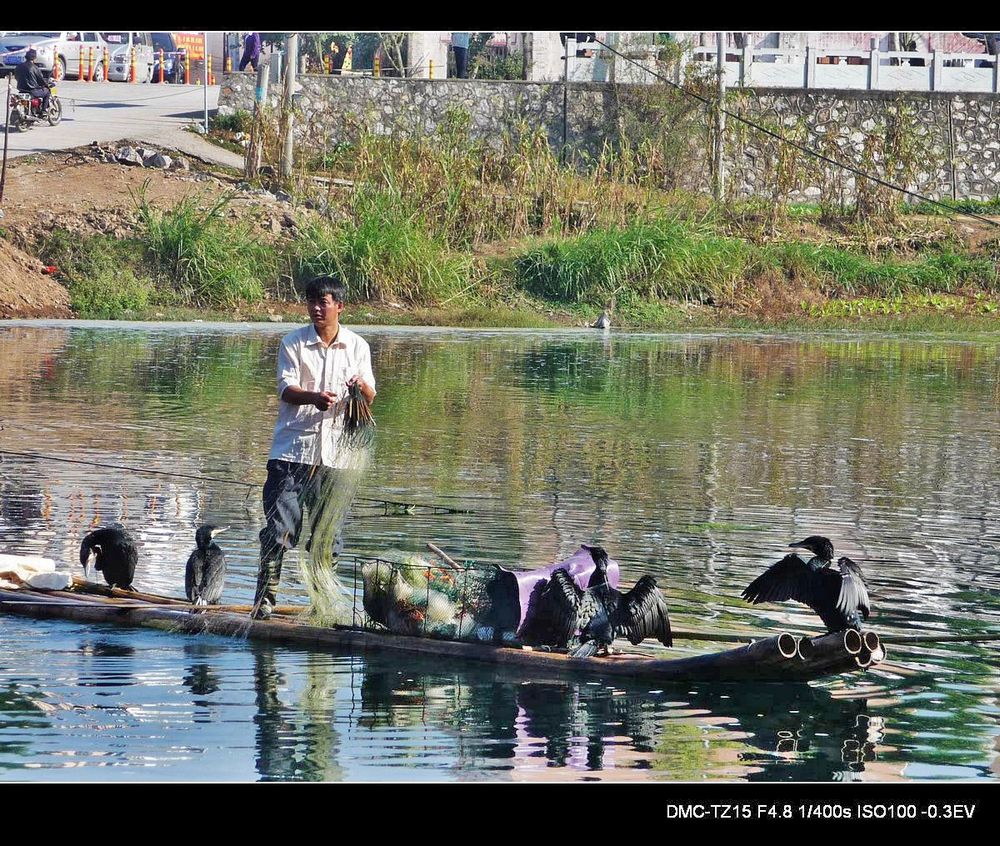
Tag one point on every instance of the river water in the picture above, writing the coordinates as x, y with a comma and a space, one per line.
694, 458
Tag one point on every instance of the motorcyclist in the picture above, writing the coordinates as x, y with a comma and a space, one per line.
30, 80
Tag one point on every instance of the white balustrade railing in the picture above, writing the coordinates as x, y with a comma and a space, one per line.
848, 69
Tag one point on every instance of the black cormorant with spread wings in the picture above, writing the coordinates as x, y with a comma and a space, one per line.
558, 609
840, 596
205, 575
115, 554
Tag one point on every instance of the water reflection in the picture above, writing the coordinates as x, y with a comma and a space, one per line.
695, 459
295, 743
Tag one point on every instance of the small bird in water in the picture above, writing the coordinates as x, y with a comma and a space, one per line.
840, 597
114, 552
600, 613
205, 574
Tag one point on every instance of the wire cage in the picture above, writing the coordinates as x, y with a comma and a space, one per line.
418, 598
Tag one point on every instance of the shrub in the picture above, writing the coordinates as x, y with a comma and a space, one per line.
382, 254
210, 261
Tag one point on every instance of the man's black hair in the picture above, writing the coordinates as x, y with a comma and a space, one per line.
30, 56
320, 286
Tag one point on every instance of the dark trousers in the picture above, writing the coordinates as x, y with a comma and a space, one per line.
249, 60
461, 62
289, 490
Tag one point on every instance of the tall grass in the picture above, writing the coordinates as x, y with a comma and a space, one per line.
382, 253
470, 192
210, 261
685, 260
659, 260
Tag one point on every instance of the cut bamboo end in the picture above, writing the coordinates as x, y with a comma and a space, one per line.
787, 645
872, 641
806, 650
863, 659
852, 641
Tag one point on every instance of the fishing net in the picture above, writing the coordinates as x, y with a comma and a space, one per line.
416, 596
331, 602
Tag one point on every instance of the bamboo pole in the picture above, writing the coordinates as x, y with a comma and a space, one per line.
980, 638
764, 660
451, 562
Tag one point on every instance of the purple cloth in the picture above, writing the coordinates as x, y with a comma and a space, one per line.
580, 565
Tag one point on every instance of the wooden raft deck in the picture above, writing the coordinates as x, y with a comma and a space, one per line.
780, 658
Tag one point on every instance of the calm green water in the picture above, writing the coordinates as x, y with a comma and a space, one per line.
696, 459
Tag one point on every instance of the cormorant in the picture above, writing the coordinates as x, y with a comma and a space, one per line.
205, 574
840, 598
115, 554
600, 613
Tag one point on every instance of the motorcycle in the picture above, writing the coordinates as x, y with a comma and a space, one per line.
25, 110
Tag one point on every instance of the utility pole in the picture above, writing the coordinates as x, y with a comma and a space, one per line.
255, 150
205, 60
291, 64
570, 50
719, 183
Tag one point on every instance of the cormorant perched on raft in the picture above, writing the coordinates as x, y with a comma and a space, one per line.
205, 575
839, 597
115, 554
558, 608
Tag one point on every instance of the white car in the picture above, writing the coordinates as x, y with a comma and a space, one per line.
121, 45
67, 49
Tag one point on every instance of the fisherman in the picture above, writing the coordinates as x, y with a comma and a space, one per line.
316, 366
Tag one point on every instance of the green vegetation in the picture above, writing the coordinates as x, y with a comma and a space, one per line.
238, 121
505, 232
102, 278
383, 254
207, 260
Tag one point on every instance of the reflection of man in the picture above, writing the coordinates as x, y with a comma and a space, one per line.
30, 79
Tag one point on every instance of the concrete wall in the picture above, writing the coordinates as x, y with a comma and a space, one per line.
965, 127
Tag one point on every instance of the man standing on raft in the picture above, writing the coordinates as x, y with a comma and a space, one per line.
316, 366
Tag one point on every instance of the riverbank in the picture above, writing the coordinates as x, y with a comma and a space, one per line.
196, 242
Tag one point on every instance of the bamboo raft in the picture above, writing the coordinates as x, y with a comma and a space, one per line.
784, 657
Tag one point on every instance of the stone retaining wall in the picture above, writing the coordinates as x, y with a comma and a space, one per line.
963, 127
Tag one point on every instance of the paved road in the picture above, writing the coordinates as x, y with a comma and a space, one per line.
110, 111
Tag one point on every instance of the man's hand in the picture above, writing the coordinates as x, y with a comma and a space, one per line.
366, 389
324, 400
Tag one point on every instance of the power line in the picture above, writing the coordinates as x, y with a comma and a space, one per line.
802, 147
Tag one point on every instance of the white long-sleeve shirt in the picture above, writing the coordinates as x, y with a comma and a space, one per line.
303, 433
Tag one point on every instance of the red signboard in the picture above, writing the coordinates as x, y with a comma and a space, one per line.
192, 42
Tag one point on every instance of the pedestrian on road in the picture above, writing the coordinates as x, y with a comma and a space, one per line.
316, 366
460, 44
251, 51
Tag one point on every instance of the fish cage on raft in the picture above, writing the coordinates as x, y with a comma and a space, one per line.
781, 657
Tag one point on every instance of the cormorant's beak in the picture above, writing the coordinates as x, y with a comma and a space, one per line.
220, 530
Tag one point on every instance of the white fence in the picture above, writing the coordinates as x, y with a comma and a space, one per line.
859, 70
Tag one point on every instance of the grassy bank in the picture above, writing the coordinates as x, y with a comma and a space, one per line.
449, 230
662, 272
